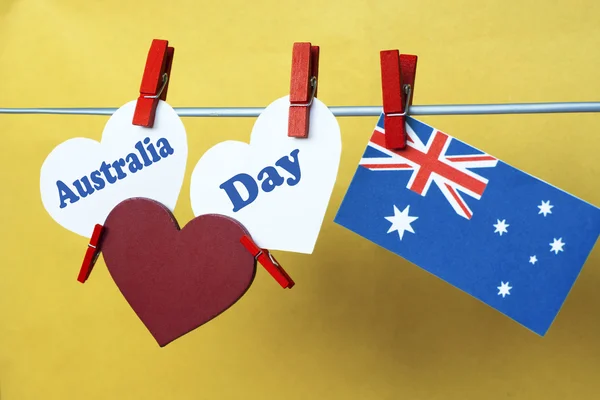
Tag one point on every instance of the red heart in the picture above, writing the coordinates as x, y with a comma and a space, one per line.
175, 280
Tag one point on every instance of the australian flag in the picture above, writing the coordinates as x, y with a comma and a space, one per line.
503, 236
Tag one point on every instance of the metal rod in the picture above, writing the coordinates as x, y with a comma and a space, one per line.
345, 111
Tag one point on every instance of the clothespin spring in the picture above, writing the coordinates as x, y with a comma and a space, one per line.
264, 257
313, 85
165, 80
407, 91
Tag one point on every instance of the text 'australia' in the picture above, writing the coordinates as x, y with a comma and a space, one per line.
110, 173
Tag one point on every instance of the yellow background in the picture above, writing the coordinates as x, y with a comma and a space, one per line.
361, 323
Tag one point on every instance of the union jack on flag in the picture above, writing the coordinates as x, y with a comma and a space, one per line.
426, 156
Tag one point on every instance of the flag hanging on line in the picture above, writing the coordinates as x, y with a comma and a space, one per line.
505, 237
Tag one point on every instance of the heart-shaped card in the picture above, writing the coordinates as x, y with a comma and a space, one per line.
82, 180
175, 280
277, 186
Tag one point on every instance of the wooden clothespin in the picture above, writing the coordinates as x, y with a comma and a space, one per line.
268, 262
398, 85
155, 82
303, 87
91, 254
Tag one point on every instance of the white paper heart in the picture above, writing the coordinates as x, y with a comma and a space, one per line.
80, 185
288, 215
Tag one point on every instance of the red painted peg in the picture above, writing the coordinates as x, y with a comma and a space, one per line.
91, 254
155, 82
303, 87
398, 85
268, 262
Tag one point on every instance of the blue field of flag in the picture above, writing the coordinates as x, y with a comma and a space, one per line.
505, 237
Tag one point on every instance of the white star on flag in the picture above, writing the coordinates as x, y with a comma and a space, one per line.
501, 227
557, 245
401, 222
545, 208
504, 289
533, 259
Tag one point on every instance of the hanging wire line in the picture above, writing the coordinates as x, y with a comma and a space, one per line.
346, 111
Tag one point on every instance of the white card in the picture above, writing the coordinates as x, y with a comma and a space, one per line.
278, 187
82, 180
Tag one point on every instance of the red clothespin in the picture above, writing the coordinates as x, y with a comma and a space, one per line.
155, 82
268, 262
398, 85
303, 87
91, 254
